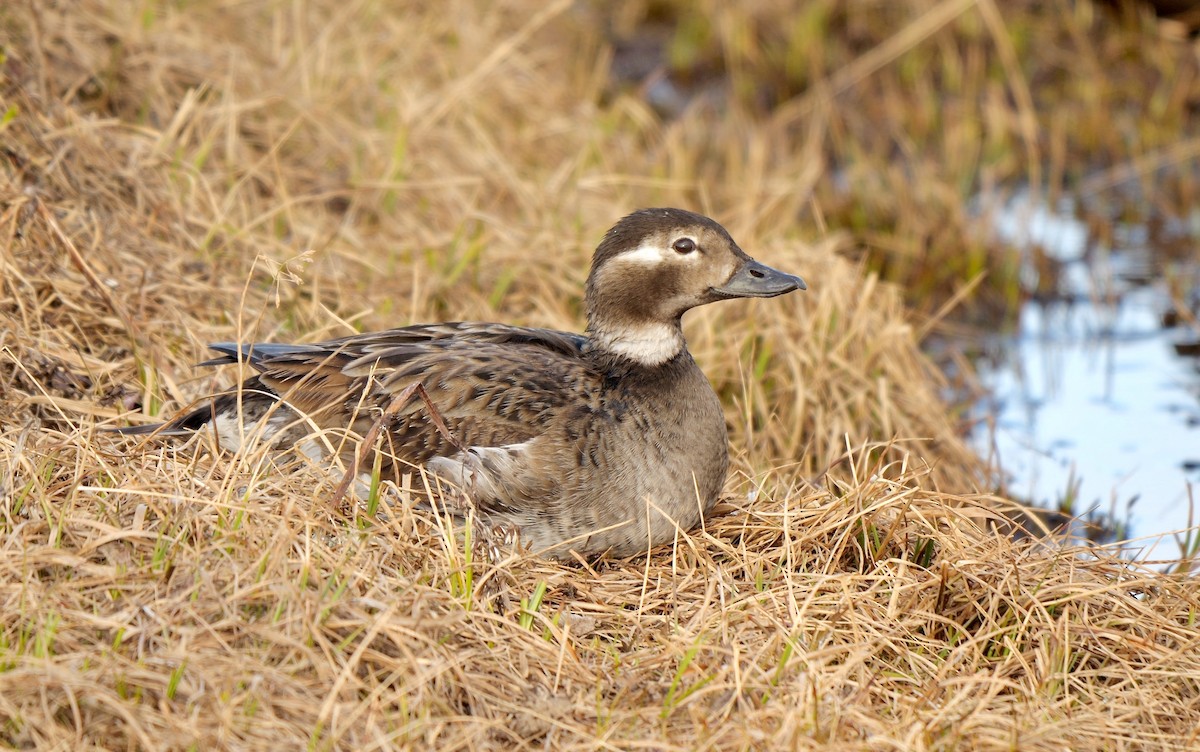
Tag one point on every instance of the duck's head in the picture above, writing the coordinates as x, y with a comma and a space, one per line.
655, 265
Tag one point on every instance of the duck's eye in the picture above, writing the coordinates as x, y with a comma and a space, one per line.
684, 245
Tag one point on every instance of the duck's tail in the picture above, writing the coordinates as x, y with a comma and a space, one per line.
232, 414
249, 402
181, 425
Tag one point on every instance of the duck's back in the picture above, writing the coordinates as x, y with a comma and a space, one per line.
492, 384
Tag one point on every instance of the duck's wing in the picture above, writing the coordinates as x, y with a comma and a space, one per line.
498, 388
493, 384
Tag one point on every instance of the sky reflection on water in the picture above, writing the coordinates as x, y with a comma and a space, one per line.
1089, 389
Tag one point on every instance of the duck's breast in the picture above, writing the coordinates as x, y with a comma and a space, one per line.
649, 460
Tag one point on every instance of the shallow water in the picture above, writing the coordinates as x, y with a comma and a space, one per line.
1093, 395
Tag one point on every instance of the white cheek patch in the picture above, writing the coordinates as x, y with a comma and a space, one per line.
653, 253
649, 253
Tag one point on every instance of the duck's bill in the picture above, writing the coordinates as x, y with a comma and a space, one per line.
755, 280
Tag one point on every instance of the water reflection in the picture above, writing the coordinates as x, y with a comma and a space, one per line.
1092, 397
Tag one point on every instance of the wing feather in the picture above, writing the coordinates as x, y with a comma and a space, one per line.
493, 384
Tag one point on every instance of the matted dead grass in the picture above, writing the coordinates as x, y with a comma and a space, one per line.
167, 172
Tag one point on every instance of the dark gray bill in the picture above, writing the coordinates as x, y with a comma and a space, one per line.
755, 280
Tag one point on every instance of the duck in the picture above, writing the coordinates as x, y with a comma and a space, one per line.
609, 442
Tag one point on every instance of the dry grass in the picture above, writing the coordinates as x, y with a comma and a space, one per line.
165, 169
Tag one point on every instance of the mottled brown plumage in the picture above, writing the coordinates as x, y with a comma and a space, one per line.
608, 441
